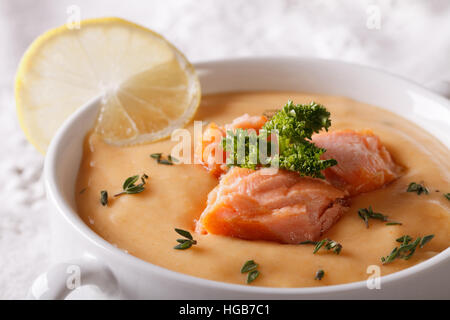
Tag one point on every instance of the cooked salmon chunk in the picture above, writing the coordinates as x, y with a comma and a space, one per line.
363, 163
282, 207
213, 158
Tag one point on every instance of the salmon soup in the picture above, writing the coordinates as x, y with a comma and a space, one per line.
175, 196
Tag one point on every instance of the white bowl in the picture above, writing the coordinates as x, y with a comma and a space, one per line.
120, 275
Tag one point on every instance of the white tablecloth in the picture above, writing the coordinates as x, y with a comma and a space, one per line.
410, 38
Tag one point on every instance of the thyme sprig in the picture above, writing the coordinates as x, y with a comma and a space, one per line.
367, 213
329, 245
186, 243
406, 248
326, 243
130, 186
250, 267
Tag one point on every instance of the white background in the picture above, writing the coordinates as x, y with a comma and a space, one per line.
413, 40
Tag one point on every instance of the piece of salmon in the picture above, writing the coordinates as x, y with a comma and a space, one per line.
213, 158
363, 163
282, 207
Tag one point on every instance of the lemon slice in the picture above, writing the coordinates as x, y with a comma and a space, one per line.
147, 87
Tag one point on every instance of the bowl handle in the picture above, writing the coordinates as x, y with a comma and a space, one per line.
62, 278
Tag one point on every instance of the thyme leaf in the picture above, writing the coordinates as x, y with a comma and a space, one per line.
308, 242
319, 274
393, 223
252, 276
417, 188
159, 159
249, 266
104, 197
184, 233
426, 239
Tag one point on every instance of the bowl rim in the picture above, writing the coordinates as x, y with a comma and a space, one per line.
73, 219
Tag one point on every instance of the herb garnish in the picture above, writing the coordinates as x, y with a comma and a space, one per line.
129, 186
104, 197
329, 245
417, 188
426, 239
252, 276
309, 242
367, 213
250, 266
184, 244
407, 248
159, 159
447, 196
156, 156
319, 274
293, 125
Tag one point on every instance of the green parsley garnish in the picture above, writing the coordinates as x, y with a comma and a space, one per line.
406, 248
294, 125
250, 266
319, 274
104, 197
186, 243
130, 186
367, 213
417, 188
447, 196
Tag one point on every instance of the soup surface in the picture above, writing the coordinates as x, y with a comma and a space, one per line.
143, 224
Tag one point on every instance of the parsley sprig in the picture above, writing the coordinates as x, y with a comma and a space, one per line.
294, 126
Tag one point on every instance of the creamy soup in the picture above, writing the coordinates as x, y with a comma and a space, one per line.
143, 224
